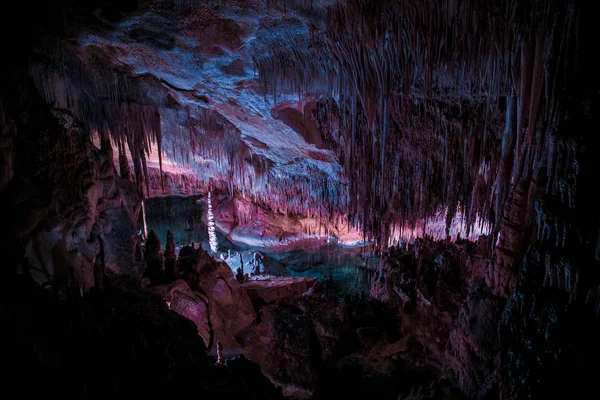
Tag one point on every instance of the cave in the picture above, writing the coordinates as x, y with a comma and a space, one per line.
300, 199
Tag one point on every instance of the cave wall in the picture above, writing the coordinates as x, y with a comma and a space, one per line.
67, 214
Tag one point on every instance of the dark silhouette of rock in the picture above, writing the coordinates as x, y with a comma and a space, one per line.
171, 271
124, 170
294, 339
437, 289
189, 304
100, 278
151, 351
154, 260
186, 258
239, 275
281, 345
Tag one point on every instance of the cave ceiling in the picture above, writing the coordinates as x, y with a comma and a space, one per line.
391, 114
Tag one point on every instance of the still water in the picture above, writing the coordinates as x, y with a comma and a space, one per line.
344, 270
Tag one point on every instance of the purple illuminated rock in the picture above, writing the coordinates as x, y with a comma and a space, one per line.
187, 303
230, 308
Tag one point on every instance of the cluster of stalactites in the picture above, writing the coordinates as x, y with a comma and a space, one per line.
106, 101
422, 87
134, 113
287, 60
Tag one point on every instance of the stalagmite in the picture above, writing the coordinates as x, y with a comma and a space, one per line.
171, 271
212, 235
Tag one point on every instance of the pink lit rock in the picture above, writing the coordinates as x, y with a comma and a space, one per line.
230, 308
189, 304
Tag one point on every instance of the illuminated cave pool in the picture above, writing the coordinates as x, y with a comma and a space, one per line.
341, 269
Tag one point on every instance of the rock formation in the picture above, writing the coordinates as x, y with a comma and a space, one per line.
118, 342
171, 270
155, 268
189, 304
229, 307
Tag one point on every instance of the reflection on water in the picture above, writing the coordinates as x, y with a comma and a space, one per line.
345, 270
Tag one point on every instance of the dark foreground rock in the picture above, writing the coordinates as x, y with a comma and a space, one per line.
124, 342
189, 304
292, 339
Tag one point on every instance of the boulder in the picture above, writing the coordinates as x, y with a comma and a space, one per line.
187, 303
230, 308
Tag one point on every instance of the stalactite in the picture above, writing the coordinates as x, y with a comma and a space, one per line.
417, 86
160, 163
507, 155
144, 174
124, 170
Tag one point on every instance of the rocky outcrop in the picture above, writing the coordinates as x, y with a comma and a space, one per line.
276, 289
448, 314
293, 339
189, 304
282, 344
151, 351
185, 259
471, 357
229, 307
